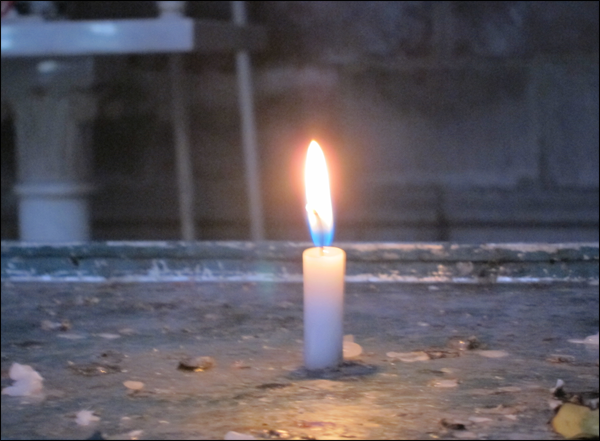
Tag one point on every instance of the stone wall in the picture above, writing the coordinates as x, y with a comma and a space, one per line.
466, 121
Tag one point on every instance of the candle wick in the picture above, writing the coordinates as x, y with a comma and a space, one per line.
317, 216
320, 228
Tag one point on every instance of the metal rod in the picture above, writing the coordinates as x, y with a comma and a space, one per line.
249, 142
181, 135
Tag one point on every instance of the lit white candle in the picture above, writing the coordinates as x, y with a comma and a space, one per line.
323, 268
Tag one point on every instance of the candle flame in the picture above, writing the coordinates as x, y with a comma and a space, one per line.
318, 196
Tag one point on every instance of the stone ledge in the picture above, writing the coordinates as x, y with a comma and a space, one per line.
281, 261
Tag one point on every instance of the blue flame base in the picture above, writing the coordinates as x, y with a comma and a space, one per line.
320, 237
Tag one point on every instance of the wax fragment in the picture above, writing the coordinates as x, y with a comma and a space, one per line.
109, 336
27, 381
48, 325
72, 336
351, 349
408, 357
479, 420
589, 340
133, 385
554, 404
135, 434
493, 354
85, 417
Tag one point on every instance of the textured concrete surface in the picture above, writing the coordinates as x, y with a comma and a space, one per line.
112, 333
281, 262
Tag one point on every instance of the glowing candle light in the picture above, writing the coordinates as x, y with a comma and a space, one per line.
323, 268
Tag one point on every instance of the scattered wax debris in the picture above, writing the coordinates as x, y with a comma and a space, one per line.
48, 325
493, 354
559, 384
28, 382
589, 340
72, 336
135, 434
177, 385
133, 385
86, 417
351, 349
109, 336
480, 420
408, 357
554, 404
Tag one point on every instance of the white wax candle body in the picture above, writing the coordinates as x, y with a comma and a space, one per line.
324, 270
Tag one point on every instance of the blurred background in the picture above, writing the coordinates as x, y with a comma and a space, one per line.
474, 121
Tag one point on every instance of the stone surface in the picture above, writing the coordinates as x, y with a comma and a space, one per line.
441, 120
428, 128
567, 98
353, 31
270, 397
281, 261
347, 31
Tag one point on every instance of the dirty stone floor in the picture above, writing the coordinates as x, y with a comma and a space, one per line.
86, 340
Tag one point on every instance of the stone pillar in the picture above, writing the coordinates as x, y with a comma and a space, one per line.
53, 108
